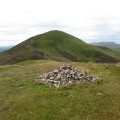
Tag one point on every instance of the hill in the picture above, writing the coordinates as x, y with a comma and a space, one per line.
111, 45
59, 46
3, 48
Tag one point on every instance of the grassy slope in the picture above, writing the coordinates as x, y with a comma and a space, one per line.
57, 45
22, 99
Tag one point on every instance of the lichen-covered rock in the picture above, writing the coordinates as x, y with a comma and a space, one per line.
66, 75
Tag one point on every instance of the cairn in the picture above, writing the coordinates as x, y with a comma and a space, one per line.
66, 75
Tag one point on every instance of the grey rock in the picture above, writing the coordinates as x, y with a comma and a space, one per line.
66, 75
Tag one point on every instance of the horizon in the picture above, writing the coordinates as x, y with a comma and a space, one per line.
12, 45
91, 21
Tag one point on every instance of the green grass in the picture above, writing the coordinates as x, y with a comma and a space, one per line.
58, 46
22, 99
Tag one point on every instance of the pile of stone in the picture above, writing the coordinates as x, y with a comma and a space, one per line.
66, 75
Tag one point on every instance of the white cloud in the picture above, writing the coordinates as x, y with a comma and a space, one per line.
90, 20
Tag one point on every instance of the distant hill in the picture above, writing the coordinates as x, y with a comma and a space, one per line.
110, 45
59, 46
3, 48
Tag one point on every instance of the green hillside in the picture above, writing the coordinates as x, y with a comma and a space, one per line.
59, 46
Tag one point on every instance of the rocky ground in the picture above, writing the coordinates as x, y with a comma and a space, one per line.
66, 75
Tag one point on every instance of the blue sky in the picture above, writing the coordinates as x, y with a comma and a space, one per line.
90, 20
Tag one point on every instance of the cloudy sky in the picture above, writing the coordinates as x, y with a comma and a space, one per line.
90, 20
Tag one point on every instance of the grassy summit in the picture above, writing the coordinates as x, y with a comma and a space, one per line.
22, 99
59, 46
